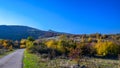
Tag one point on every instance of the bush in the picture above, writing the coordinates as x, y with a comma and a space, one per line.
22, 46
11, 48
107, 48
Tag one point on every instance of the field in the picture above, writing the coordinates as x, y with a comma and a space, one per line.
35, 61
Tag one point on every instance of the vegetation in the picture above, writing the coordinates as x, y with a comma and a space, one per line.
7, 46
93, 51
35, 60
5, 53
30, 60
107, 48
70, 48
22, 32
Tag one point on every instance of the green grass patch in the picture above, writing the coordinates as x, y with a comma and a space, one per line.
34, 61
30, 60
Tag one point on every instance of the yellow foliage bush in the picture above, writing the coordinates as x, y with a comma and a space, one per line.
22, 46
51, 44
55, 45
107, 48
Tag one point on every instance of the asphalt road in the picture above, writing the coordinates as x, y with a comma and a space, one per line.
13, 60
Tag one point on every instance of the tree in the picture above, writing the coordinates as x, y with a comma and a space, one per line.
30, 38
23, 43
89, 39
107, 48
86, 48
5, 44
22, 46
76, 54
51, 44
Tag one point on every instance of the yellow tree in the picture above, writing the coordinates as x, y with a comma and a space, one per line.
101, 48
5, 43
113, 48
89, 39
107, 48
23, 43
51, 44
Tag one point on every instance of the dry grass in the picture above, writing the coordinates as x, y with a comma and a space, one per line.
35, 61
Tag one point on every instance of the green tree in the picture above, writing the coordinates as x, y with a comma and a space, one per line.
30, 38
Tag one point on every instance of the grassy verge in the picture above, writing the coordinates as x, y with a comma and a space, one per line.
30, 60
33, 61
6, 53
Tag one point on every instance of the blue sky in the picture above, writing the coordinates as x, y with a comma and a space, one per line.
71, 16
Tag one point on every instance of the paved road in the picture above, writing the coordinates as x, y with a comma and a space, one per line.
13, 60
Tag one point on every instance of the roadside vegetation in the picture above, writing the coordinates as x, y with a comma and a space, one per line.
6, 53
34, 60
84, 51
7, 46
30, 60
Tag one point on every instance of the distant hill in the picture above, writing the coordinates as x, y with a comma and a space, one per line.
15, 32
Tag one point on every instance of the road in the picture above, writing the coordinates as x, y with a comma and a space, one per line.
13, 60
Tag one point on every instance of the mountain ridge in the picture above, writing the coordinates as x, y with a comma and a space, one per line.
18, 32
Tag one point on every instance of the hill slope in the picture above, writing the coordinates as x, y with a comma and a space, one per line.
19, 32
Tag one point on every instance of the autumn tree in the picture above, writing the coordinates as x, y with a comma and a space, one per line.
23, 43
107, 48
51, 44
89, 39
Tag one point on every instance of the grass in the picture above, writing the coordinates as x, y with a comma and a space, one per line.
33, 61
6, 53
30, 60
101, 63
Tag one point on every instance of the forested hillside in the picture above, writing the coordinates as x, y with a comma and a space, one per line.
19, 32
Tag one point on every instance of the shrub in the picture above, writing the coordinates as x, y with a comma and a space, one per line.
22, 46
107, 48
10, 48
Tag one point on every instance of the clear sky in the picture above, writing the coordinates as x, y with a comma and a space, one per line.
71, 16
